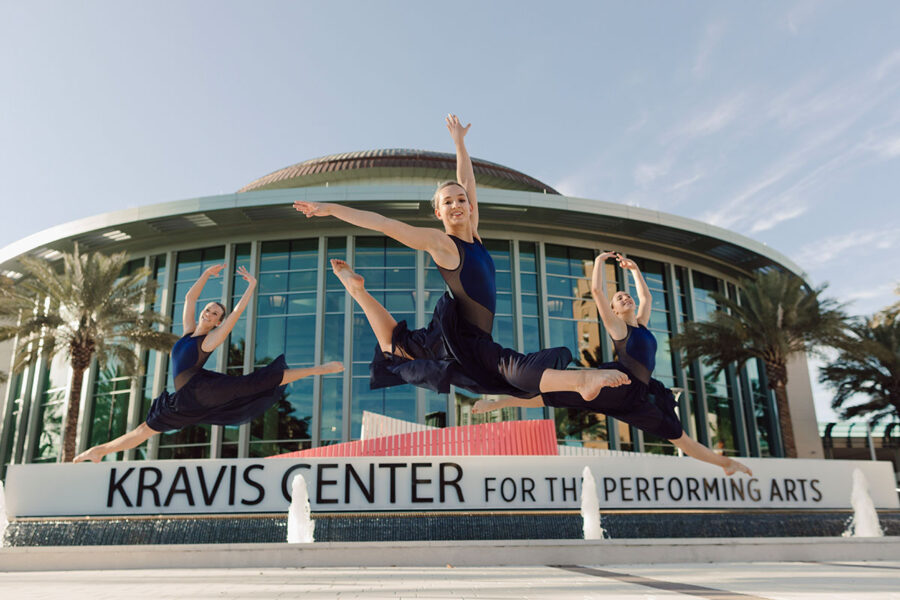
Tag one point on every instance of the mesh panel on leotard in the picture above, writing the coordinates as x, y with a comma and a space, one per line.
473, 283
637, 352
188, 357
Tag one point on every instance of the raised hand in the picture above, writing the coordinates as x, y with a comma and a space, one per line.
457, 131
214, 270
313, 209
601, 258
626, 263
250, 279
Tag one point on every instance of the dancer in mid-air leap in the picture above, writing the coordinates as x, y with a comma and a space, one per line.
203, 396
644, 402
456, 348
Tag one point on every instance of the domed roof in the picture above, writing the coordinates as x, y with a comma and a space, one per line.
396, 163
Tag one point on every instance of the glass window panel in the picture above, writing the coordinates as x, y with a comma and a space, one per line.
529, 283
271, 304
504, 281
274, 256
401, 302
400, 278
530, 305
374, 278
304, 254
560, 286
531, 334
363, 339
302, 303
527, 253
302, 281
433, 280
398, 402
564, 333
332, 409
503, 332
273, 283
269, 340
431, 300
504, 304
334, 302
301, 331
333, 342
369, 252
435, 409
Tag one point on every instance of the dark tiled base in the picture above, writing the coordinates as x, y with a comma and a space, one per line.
420, 527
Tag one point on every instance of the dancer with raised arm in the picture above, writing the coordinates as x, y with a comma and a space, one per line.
456, 348
644, 402
203, 396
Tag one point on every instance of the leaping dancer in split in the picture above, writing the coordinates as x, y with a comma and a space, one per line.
456, 348
203, 396
644, 402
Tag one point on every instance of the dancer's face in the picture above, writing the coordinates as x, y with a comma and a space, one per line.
212, 314
453, 207
622, 302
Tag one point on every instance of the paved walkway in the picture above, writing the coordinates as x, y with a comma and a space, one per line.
730, 581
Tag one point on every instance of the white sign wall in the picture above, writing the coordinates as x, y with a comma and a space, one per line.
433, 483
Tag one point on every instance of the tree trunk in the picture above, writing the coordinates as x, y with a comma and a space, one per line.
777, 376
70, 430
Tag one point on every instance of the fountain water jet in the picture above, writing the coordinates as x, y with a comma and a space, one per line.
864, 522
590, 507
300, 526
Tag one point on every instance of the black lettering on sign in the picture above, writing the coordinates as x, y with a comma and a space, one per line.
657, 487
287, 478
488, 488
249, 480
680, 493
774, 490
814, 484
321, 482
508, 492
737, 488
144, 486
527, 488
232, 483
642, 484
444, 481
789, 486
693, 485
802, 483
569, 488
116, 486
753, 489
414, 478
209, 496
626, 489
710, 487
368, 492
551, 481
609, 486
393, 479
180, 475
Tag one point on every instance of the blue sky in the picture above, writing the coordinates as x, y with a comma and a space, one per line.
777, 120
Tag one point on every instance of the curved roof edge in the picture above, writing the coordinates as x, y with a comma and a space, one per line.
105, 227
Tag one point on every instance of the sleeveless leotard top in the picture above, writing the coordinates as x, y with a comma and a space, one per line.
637, 352
473, 283
188, 357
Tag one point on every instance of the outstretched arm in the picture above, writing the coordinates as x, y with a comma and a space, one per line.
465, 174
695, 449
437, 243
218, 335
645, 300
188, 317
614, 325
133, 438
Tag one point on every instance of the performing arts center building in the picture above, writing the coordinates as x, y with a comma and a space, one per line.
542, 243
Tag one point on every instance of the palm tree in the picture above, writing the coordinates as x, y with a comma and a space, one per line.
778, 316
868, 363
86, 309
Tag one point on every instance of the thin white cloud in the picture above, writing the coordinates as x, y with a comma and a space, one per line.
778, 216
887, 64
711, 38
707, 122
686, 182
798, 15
645, 174
888, 148
826, 250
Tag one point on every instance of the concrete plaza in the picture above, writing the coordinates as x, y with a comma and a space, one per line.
776, 581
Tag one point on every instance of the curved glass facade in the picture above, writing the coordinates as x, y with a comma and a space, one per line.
301, 310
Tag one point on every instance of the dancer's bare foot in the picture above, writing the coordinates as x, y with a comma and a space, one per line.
732, 466
593, 380
329, 367
484, 405
353, 282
